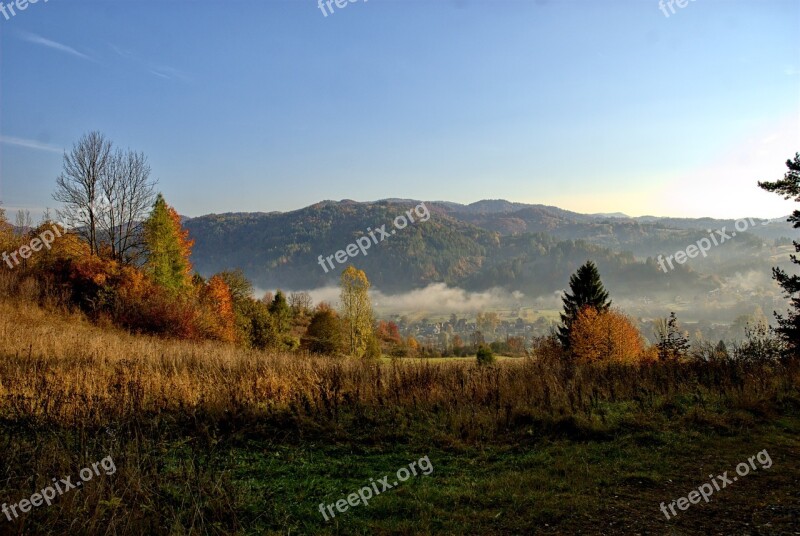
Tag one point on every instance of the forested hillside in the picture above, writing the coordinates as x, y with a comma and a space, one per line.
487, 244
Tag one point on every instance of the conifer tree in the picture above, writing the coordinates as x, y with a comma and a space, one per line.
586, 289
168, 248
789, 327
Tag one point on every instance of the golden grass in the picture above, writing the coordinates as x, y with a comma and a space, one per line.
58, 368
176, 409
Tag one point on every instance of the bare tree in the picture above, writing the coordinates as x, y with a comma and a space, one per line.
106, 195
129, 194
300, 303
78, 186
24, 222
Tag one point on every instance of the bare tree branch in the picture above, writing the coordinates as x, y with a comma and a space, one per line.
106, 195
78, 185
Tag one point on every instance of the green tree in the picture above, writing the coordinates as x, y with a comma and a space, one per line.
324, 334
484, 355
356, 310
586, 290
255, 325
241, 287
789, 327
373, 349
281, 312
168, 248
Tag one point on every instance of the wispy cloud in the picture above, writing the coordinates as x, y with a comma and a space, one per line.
30, 144
49, 43
127, 54
161, 71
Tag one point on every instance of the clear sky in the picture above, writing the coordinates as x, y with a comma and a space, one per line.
594, 106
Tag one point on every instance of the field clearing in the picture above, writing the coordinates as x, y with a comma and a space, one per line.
210, 439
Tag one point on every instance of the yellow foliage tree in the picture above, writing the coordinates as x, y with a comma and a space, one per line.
356, 310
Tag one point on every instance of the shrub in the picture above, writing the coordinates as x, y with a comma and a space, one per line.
323, 335
485, 356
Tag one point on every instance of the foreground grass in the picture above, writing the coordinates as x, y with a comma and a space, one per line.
555, 487
208, 439
249, 482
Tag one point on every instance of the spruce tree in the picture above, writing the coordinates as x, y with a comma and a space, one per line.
586, 289
789, 327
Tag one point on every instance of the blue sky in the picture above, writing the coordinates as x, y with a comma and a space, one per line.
269, 105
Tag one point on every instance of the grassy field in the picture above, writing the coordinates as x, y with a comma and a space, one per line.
208, 439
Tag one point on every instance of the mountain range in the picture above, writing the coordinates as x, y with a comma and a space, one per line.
488, 244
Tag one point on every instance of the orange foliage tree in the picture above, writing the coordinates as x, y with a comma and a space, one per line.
219, 319
388, 335
605, 336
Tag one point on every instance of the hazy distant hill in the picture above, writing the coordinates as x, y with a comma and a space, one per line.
643, 236
531, 248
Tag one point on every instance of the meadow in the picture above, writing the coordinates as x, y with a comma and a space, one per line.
212, 439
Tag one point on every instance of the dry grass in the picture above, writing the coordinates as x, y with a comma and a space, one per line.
168, 411
60, 369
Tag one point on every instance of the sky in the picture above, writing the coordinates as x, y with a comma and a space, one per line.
592, 106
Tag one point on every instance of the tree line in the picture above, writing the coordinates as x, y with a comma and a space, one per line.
125, 257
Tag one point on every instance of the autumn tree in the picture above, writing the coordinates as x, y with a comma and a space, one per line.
105, 195
7, 240
241, 288
300, 303
216, 298
373, 349
586, 289
254, 326
516, 345
356, 310
672, 342
324, 335
606, 335
388, 336
789, 327
413, 346
168, 248
487, 322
